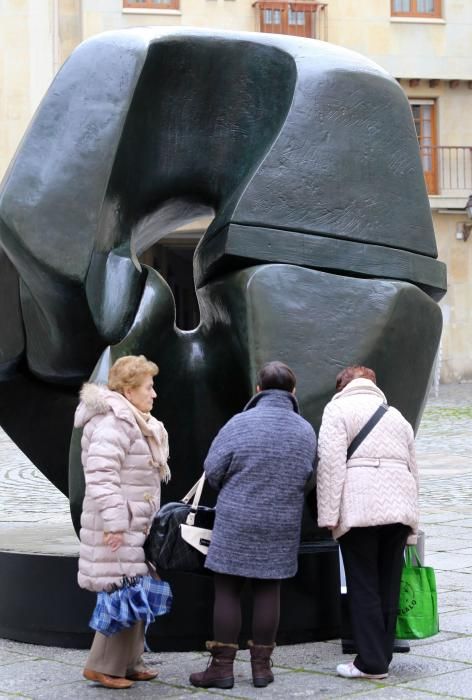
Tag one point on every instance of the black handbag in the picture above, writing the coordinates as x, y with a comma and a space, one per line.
180, 534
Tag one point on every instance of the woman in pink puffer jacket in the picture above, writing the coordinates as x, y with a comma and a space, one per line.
124, 455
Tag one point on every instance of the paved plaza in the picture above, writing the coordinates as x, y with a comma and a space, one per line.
34, 517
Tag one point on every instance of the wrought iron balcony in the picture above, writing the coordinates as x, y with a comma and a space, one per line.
447, 169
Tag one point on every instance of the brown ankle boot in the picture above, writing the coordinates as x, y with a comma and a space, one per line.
261, 663
219, 672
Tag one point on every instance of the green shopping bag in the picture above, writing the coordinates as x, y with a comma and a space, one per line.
418, 605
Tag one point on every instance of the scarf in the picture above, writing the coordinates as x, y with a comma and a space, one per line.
156, 436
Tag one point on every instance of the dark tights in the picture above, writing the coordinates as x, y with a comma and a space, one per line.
227, 609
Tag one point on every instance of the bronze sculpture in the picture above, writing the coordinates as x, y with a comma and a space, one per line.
321, 251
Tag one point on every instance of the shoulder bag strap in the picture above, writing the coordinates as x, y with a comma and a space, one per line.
363, 433
196, 492
200, 483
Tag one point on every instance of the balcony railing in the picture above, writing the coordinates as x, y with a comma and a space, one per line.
447, 169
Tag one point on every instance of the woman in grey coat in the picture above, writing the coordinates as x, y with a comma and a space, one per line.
260, 463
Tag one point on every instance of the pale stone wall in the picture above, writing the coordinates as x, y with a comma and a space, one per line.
103, 15
69, 28
26, 67
406, 47
453, 129
457, 304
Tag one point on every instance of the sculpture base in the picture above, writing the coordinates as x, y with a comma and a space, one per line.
40, 603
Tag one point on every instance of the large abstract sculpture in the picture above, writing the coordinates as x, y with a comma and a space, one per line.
321, 251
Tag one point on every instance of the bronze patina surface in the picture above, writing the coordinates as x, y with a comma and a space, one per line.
321, 252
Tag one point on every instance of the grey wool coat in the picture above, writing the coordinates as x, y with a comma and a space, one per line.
260, 463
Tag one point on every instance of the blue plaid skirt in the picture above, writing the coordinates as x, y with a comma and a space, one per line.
141, 599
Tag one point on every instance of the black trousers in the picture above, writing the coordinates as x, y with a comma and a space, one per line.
373, 561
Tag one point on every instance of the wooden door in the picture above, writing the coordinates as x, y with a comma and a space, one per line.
425, 124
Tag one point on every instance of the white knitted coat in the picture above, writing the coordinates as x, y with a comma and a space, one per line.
379, 484
122, 487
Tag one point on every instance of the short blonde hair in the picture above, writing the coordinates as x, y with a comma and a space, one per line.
129, 372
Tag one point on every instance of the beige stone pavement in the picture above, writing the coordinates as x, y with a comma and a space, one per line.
34, 517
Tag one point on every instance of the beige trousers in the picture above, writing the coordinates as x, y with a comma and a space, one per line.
119, 654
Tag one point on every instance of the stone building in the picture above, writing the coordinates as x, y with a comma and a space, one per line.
424, 44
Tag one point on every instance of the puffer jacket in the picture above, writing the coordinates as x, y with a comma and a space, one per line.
379, 484
122, 487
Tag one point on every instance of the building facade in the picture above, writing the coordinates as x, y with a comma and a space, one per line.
424, 44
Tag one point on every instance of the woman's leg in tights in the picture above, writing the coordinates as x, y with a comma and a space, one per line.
227, 608
266, 610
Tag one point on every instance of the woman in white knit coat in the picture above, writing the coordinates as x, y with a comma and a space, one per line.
370, 503
124, 455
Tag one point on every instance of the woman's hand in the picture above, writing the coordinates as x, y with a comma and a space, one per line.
114, 540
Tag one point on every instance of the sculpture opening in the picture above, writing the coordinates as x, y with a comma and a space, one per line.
173, 259
166, 241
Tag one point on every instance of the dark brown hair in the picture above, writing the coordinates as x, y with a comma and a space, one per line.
356, 372
276, 375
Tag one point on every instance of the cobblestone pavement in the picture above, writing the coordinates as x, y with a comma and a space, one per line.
435, 668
